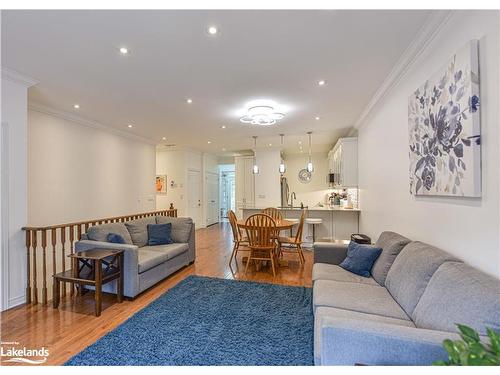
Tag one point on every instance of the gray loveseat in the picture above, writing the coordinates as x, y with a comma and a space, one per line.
144, 265
402, 314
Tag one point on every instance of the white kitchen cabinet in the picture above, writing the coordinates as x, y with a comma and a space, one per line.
244, 183
343, 162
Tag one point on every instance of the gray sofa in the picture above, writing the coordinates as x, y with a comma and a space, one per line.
144, 265
402, 314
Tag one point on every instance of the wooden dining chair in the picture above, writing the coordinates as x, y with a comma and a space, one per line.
238, 238
261, 232
273, 212
294, 244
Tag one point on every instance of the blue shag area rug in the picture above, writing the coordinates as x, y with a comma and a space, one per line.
209, 321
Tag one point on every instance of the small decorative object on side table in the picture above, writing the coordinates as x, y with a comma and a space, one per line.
87, 269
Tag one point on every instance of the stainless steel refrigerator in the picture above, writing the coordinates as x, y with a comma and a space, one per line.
285, 192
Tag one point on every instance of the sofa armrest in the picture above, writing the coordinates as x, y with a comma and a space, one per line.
130, 262
192, 245
328, 252
346, 341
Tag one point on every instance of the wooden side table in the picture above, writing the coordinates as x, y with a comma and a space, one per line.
93, 267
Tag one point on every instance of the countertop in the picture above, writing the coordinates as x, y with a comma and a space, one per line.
309, 208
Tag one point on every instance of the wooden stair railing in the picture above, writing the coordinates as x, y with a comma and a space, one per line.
61, 239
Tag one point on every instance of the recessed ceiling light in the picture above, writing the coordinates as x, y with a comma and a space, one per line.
317, 117
209, 142
212, 30
164, 138
223, 149
189, 100
130, 125
223, 127
321, 82
123, 50
270, 144
76, 106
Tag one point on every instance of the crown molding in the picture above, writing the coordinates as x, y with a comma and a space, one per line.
37, 107
13, 76
431, 28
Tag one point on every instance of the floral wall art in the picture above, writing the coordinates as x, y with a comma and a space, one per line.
444, 130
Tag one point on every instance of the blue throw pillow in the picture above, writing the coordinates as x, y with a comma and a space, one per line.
360, 258
115, 238
159, 234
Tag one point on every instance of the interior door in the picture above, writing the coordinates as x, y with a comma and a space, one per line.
212, 184
194, 197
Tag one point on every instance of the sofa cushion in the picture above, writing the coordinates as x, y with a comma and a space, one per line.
172, 250
151, 256
159, 234
411, 272
138, 230
360, 258
115, 238
370, 299
100, 232
391, 244
181, 227
458, 293
323, 271
323, 313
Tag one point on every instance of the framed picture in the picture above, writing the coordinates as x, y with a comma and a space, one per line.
161, 184
445, 130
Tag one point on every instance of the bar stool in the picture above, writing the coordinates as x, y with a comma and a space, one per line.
314, 221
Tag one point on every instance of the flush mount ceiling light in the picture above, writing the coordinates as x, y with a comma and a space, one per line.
212, 30
262, 113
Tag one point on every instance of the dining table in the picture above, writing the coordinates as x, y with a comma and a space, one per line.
281, 224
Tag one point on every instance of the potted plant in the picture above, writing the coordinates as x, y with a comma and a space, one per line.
470, 351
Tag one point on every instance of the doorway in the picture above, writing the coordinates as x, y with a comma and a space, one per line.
212, 198
194, 197
227, 189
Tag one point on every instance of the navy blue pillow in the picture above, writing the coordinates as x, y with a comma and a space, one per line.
115, 238
159, 234
360, 258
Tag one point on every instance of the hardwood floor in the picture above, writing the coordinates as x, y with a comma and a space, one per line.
72, 327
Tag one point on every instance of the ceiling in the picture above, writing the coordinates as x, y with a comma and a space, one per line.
278, 55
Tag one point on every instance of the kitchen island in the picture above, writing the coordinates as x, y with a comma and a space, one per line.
337, 223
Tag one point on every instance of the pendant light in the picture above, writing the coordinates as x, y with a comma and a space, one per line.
310, 167
255, 166
282, 168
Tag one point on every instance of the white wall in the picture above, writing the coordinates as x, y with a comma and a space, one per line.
14, 162
314, 191
468, 228
175, 164
267, 181
77, 172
